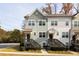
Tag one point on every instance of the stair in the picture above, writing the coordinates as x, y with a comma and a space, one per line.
51, 43
34, 44
59, 43
75, 45
56, 43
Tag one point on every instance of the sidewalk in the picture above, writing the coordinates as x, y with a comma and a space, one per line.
35, 54
42, 53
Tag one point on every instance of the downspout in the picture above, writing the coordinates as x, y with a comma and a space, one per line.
70, 35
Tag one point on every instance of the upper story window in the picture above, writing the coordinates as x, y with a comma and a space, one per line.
41, 34
65, 34
67, 23
76, 23
31, 23
54, 23
41, 23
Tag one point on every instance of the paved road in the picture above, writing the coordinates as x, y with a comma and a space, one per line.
4, 45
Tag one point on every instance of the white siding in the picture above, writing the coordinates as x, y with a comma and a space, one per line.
61, 27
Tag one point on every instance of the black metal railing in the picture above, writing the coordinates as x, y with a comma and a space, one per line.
35, 44
55, 43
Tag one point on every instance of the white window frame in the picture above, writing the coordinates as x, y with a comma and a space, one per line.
65, 34
31, 23
42, 34
42, 23
54, 23
76, 23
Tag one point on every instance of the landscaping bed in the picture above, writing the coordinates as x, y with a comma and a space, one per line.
33, 51
59, 52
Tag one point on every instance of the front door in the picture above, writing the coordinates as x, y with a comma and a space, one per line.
50, 36
28, 36
74, 37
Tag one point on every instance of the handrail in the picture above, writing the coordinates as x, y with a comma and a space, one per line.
34, 43
59, 42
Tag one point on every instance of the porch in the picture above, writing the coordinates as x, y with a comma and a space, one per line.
75, 39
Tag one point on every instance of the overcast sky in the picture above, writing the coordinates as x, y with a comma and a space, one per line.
12, 14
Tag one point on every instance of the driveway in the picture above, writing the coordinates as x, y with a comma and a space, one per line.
5, 45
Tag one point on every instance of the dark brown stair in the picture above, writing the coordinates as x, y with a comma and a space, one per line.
56, 43
34, 44
59, 43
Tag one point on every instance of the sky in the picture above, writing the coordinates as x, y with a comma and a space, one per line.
12, 14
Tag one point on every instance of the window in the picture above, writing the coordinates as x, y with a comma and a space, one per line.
41, 23
67, 23
64, 34
54, 23
31, 23
41, 34
34, 33
76, 23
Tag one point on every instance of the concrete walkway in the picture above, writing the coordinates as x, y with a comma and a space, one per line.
73, 52
44, 51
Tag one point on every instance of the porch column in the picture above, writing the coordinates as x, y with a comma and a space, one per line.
27, 38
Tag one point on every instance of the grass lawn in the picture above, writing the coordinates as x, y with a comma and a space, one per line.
59, 52
15, 49
8, 50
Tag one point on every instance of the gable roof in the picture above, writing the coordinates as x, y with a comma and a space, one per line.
35, 15
76, 16
40, 15
59, 15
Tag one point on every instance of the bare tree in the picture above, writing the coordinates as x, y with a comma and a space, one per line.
55, 7
47, 9
66, 7
76, 7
